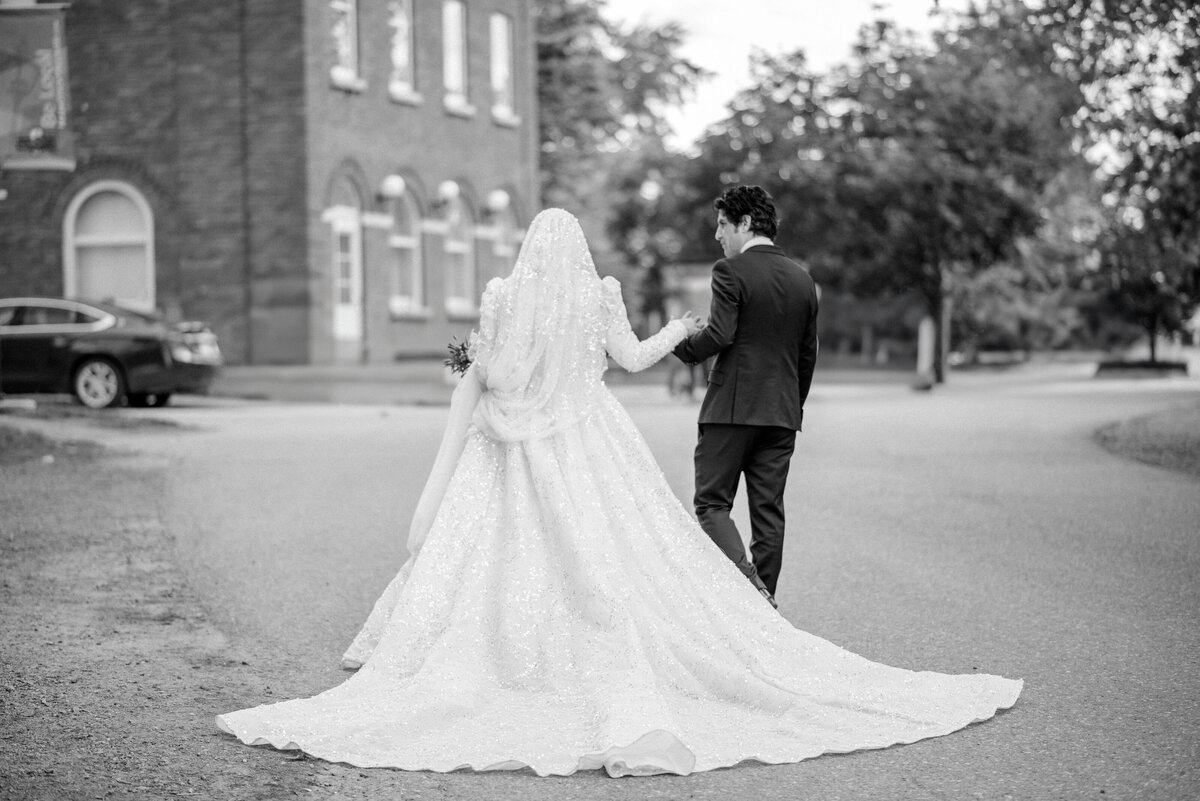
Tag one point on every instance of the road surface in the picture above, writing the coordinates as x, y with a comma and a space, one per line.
975, 528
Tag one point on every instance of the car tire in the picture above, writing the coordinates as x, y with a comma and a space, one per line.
98, 383
150, 400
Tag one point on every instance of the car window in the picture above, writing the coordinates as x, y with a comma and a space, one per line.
48, 315
7, 314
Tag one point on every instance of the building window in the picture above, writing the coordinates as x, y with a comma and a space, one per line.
402, 83
503, 69
408, 278
345, 72
461, 291
454, 58
504, 246
108, 246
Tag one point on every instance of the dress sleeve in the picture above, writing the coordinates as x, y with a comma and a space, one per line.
623, 345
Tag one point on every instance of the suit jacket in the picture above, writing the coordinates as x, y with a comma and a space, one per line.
763, 330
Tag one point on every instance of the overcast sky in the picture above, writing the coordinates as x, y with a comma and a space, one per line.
721, 34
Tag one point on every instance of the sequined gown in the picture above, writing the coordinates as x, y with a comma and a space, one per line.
566, 612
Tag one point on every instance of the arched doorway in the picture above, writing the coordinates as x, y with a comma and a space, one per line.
108, 246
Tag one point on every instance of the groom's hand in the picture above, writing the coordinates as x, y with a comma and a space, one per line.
691, 322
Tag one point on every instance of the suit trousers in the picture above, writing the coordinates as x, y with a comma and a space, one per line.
726, 452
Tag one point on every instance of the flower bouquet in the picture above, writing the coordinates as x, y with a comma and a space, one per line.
459, 359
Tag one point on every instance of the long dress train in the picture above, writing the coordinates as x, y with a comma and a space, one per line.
565, 612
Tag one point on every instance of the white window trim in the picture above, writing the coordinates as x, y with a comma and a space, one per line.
375, 219
503, 113
455, 98
341, 215
399, 90
405, 307
461, 308
402, 241
402, 93
71, 242
505, 117
458, 106
344, 76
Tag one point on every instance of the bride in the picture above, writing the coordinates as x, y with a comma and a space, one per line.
561, 610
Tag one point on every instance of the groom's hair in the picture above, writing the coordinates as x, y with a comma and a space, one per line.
740, 201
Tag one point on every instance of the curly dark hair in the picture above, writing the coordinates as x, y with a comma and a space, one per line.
753, 201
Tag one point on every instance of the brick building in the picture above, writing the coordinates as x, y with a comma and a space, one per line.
321, 180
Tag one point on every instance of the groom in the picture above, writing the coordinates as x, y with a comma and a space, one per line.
763, 330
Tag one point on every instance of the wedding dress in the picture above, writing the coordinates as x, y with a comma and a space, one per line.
561, 610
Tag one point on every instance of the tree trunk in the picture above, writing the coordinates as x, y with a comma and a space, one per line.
1153, 327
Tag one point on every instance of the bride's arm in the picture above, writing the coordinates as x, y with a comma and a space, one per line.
623, 345
462, 406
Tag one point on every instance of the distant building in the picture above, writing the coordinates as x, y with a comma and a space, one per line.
321, 180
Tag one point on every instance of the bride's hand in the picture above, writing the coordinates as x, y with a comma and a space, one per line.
691, 322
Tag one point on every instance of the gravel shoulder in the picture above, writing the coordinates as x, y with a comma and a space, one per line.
110, 667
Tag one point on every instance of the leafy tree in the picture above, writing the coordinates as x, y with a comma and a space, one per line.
643, 210
1138, 61
910, 169
601, 89
1039, 298
1153, 281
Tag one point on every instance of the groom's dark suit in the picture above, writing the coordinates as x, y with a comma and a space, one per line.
763, 330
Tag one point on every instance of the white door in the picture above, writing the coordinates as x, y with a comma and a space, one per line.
346, 228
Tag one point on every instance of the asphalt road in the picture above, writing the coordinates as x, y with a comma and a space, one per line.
978, 527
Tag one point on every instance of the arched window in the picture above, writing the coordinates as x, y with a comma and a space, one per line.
504, 247
108, 246
408, 271
461, 292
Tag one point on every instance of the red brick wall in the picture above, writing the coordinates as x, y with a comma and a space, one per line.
158, 101
369, 135
222, 114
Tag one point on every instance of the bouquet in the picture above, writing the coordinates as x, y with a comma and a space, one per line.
459, 359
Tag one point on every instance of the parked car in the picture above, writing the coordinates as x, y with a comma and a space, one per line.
103, 354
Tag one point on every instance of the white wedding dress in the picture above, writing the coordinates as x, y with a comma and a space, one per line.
562, 611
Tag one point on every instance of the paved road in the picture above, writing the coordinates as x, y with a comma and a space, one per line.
975, 528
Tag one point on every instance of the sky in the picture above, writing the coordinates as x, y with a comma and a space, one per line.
721, 34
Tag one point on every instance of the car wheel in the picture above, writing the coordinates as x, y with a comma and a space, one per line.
98, 384
151, 400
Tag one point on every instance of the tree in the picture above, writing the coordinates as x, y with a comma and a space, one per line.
1153, 282
911, 168
1040, 298
601, 89
641, 226
1139, 62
